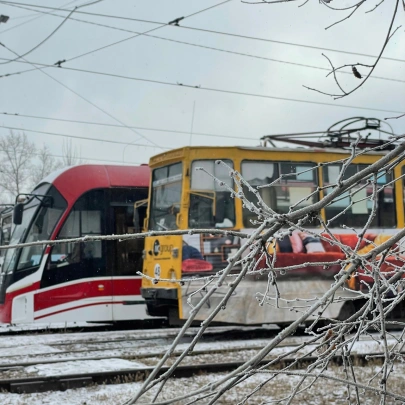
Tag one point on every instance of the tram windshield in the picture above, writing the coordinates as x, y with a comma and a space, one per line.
39, 219
6, 227
166, 194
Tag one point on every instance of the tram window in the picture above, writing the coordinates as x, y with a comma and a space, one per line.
298, 171
166, 194
403, 183
295, 187
127, 254
259, 173
41, 229
6, 231
81, 223
135, 201
332, 172
72, 261
210, 203
354, 207
128, 196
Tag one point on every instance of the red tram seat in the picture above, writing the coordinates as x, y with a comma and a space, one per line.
195, 266
330, 252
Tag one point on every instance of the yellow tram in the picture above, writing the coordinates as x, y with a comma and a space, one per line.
182, 197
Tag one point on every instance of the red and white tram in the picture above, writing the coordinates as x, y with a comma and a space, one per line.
92, 281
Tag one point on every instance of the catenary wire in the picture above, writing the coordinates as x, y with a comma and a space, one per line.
35, 18
200, 46
216, 90
138, 34
206, 30
85, 99
83, 158
42, 42
99, 108
53, 32
122, 126
80, 137
142, 33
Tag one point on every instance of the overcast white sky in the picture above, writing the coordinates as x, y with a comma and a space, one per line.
234, 119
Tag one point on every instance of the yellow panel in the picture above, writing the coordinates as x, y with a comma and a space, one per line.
168, 266
161, 262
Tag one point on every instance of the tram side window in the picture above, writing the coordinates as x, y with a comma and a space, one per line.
41, 229
128, 210
85, 259
257, 174
354, 207
297, 186
403, 185
210, 203
292, 185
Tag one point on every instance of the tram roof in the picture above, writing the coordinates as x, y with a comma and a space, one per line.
75, 180
184, 151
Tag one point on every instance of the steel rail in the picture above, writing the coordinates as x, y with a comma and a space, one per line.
69, 381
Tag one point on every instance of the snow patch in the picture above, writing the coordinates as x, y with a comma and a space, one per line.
83, 367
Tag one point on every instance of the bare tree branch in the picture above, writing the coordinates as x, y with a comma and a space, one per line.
16, 154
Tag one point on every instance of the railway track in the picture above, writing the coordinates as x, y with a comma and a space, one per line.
129, 353
60, 362
34, 349
80, 380
76, 327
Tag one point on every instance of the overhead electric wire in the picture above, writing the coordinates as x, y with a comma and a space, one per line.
16, 4
41, 43
122, 126
85, 99
211, 89
86, 158
199, 46
104, 160
52, 33
146, 32
88, 101
35, 18
138, 34
80, 137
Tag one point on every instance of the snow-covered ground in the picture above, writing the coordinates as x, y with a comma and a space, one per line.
322, 393
138, 344
6, 328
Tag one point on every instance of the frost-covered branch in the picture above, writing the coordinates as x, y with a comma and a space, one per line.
380, 270
361, 72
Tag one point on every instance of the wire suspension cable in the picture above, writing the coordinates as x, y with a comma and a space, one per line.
42, 42
122, 126
234, 92
206, 30
88, 101
198, 46
85, 158
80, 137
34, 18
